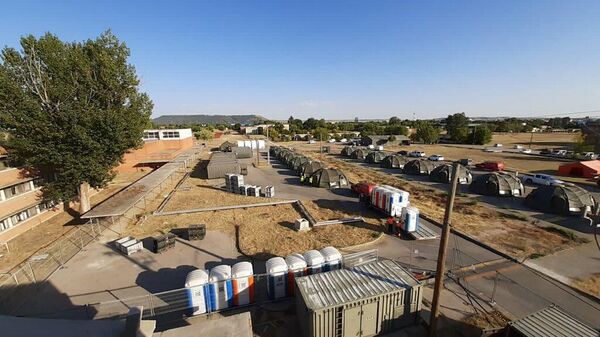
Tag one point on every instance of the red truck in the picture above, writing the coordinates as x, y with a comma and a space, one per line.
491, 166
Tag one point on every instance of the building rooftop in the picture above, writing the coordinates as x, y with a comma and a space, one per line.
552, 321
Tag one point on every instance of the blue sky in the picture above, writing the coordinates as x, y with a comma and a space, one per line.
341, 59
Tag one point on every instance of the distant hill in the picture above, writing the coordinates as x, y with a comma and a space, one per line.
208, 119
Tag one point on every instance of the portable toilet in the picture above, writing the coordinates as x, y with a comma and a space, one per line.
220, 287
242, 282
248, 143
276, 277
296, 268
197, 289
411, 219
332, 257
314, 261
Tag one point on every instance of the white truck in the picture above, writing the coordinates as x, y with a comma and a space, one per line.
542, 179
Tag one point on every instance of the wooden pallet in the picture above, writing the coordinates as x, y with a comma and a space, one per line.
423, 233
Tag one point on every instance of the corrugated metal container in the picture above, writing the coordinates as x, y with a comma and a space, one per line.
221, 164
197, 291
374, 298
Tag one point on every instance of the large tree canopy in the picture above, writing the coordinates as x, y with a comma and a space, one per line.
72, 110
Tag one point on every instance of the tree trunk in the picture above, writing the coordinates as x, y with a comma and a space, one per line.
84, 197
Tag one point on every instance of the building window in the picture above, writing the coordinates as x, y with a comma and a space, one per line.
151, 135
18, 189
170, 134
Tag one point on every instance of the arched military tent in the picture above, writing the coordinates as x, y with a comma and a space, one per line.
275, 150
560, 199
297, 161
310, 167
287, 157
360, 153
497, 184
394, 161
242, 152
418, 167
375, 157
329, 178
347, 150
443, 174
226, 146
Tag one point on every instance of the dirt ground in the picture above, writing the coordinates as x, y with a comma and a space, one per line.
510, 233
26, 244
590, 285
538, 140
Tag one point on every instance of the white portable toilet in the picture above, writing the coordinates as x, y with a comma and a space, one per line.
276, 277
196, 285
332, 257
411, 219
296, 268
242, 283
240, 143
261, 144
248, 143
314, 261
220, 287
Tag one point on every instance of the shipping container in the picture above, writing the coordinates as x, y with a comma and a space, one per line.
276, 277
296, 268
332, 258
221, 164
220, 288
242, 282
196, 285
375, 298
314, 261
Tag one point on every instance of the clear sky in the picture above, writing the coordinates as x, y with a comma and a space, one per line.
341, 59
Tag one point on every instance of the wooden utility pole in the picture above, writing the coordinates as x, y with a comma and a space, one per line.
441, 261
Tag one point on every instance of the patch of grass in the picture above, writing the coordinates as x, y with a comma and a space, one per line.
566, 234
536, 255
375, 235
590, 284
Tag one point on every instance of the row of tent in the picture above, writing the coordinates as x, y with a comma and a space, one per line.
311, 172
560, 199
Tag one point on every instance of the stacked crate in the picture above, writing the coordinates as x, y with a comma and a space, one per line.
129, 245
254, 191
196, 232
270, 191
233, 182
163, 243
243, 189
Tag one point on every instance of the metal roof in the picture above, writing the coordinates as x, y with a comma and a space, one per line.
552, 322
343, 286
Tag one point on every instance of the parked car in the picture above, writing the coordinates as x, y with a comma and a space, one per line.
497, 145
518, 147
587, 156
491, 166
559, 153
343, 140
525, 150
546, 151
403, 153
312, 141
436, 157
542, 179
331, 140
492, 149
417, 154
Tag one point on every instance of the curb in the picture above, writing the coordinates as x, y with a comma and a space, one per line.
360, 245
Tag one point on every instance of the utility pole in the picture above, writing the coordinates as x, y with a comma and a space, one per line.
531, 139
441, 261
268, 148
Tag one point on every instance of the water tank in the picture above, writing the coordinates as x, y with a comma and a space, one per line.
332, 257
411, 219
314, 261
296, 268
242, 282
220, 287
276, 277
196, 285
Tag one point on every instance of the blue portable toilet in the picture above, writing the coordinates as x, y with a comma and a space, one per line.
277, 271
332, 257
221, 292
196, 285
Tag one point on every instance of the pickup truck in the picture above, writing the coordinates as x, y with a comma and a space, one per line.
542, 179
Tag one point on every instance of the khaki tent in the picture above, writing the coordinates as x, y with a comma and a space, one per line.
360, 153
418, 167
443, 174
329, 178
375, 157
242, 152
497, 184
226, 146
297, 162
310, 167
394, 161
347, 150
560, 199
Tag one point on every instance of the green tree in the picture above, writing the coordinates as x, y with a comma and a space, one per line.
73, 110
457, 126
480, 135
321, 134
204, 134
426, 133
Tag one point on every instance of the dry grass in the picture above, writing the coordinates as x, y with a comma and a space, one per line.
511, 235
494, 319
26, 244
590, 284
